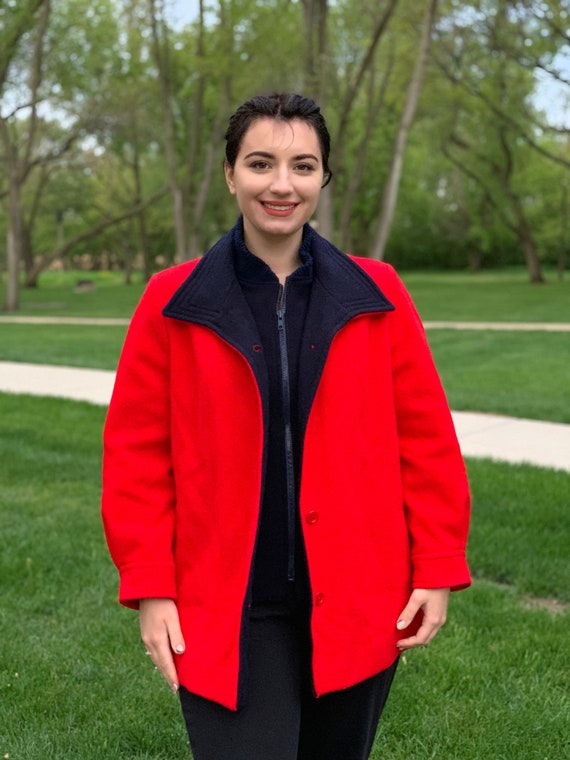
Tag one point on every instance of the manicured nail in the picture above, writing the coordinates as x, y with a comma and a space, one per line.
401, 624
179, 649
174, 688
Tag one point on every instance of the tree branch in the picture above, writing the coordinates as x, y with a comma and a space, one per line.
102, 225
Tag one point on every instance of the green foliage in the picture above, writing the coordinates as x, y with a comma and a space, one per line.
98, 148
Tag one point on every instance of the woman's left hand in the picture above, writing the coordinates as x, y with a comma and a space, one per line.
433, 602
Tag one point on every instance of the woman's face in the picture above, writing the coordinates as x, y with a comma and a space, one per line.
276, 179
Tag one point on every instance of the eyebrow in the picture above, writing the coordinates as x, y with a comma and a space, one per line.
264, 154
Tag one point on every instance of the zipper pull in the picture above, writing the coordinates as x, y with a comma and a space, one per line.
281, 308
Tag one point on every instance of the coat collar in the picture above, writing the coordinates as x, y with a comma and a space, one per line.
341, 290
211, 294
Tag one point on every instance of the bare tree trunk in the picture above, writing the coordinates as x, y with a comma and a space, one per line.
196, 108
216, 134
520, 226
17, 170
390, 196
203, 189
141, 215
14, 247
315, 76
15, 221
526, 240
315, 22
561, 260
375, 107
160, 50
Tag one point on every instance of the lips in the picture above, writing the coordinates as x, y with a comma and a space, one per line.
279, 209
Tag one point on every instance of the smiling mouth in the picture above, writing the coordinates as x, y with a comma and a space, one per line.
279, 206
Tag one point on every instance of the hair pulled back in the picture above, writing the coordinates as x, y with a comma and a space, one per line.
283, 107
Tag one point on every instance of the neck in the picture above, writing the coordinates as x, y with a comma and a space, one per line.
281, 254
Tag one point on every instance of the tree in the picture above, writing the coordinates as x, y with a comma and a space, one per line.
390, 197
18, 160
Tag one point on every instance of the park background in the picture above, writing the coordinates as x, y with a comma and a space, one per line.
450, 125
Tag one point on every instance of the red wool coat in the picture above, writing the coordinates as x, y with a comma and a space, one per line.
384, 500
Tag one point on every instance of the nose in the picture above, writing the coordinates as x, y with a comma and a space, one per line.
281, 181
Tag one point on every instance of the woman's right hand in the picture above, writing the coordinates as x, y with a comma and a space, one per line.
161, 635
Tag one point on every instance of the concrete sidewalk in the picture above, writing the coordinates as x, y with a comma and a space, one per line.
545, 444
17, 319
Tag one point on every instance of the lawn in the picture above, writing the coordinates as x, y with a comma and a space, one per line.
502, 295
489, 296
519, 374
67, 345
58, 296
514, 373
74, 681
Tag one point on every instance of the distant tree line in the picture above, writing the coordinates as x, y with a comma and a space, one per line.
112, 121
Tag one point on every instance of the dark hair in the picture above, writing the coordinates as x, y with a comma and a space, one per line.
284, 107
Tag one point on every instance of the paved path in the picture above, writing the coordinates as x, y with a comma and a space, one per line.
546, 444
17, 319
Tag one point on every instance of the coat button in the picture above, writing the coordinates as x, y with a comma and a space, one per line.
319, 599
312, 517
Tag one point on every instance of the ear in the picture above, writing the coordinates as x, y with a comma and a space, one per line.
229, 172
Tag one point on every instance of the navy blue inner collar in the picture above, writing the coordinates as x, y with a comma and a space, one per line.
250, 268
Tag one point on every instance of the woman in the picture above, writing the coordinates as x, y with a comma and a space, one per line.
284, 494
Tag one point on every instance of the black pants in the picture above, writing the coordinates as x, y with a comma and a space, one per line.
282, 719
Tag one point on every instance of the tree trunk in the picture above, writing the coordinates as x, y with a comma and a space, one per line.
27, 255
390, 197
374, 110
160, 50
216, 133
14, 247
526, 240
141, 216
315, 80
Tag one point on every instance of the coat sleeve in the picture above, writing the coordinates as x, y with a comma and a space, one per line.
138, 489
435, 487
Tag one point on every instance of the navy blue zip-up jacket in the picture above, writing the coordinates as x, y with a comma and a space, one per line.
280, 569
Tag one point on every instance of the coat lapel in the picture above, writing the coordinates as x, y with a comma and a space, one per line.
341, 290
211, 296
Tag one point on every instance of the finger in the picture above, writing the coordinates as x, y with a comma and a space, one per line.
408, 613
426, 633
165, 664
175, 635
158, 648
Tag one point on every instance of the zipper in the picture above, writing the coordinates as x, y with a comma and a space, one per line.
289, 460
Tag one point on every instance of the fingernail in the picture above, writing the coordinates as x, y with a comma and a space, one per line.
174, 688
401, 624
179, 649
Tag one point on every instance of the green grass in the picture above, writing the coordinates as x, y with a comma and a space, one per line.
75, 684
494, 685
501, 296
56, 295
72, 345
521, 526
519, 374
